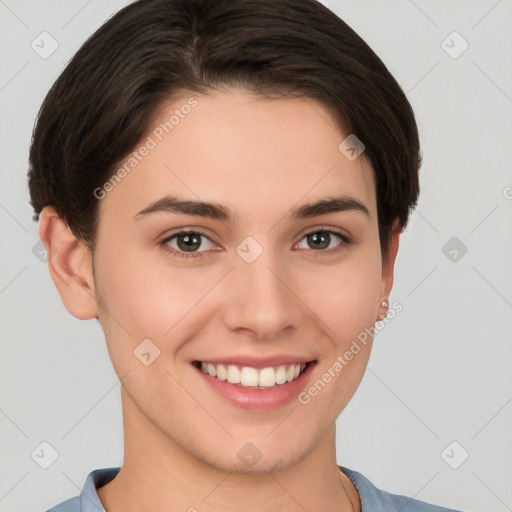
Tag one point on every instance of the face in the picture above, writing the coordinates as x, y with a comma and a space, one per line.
258, 282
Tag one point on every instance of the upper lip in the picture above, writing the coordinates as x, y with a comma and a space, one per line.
258, 362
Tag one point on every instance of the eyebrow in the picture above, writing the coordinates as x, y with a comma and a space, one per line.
173, 204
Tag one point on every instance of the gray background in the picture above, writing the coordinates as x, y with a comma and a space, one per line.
439, 372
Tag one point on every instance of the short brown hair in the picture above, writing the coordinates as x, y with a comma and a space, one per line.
152, 50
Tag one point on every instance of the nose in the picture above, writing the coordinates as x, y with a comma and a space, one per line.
260, 298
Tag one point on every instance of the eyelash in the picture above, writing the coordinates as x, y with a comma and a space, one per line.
180, 254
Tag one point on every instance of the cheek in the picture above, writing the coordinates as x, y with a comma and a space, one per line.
345, 296
151, 298
141, 291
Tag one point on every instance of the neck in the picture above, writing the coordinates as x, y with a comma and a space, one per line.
158, 474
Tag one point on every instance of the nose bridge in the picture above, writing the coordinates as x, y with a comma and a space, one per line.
260, 301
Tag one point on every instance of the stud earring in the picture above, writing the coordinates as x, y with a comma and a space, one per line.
383, 315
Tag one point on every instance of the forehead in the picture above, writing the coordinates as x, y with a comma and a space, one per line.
251, 153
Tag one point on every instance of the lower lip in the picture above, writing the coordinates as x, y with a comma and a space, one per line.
259, 399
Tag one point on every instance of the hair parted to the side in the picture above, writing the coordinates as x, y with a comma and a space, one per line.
151, 51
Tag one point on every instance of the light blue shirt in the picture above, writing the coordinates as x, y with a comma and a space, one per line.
372, 498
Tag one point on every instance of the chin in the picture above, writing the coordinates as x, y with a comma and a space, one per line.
257, 457
261, 467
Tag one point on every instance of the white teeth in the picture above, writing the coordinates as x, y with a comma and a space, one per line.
222, 373
233, 374
249, 376
252, 377
267, 377
280, 375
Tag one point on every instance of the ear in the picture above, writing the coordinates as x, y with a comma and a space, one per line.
70, 265
388, 266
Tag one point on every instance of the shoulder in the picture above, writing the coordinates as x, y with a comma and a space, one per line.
88, 500
71, 505
377, 500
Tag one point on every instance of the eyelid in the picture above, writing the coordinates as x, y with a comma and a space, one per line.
346, 240
184, 231
302, 234
339, 231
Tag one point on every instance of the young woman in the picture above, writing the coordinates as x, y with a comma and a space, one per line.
223, 184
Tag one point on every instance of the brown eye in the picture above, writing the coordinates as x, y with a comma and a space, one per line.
324, 240
187, 242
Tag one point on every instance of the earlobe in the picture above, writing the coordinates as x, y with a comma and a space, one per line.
388, 266
70, 265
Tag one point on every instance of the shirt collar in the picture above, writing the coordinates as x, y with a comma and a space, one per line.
372, 498
89, 501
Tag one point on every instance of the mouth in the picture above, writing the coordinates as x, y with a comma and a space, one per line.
249, 377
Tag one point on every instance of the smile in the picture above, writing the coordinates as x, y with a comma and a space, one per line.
253, 378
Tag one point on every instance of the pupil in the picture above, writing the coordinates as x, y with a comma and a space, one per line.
191, 241
321, 237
